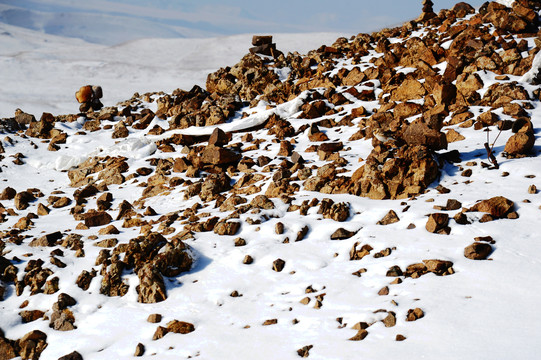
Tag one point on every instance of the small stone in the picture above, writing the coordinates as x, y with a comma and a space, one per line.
278, 265
390, 319
437, 222
240, 242
248, 260
159, 333
270, 322
342, 234
180, 327
414, 314
390, 218
305, 351
361, 335
139, 350
478, 251
532, 189
400, 337
305, 300
279, 228
154, 318
384, 291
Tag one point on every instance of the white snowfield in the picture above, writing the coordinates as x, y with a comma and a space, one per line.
485, 310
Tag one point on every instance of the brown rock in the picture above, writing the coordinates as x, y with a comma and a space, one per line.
361, 335
342, 234
383, 291
227, 228
180, 327
139, 350
497, 206
437, 222
452, 136
151, 287
32, 345
419, 133
84, 94
97, 218
270, 322
520, 144
43, 210
304, 352
22, 199
478, 251
154, 318
438, 267
159, 333
218, 138
390, 218
219, 156
8, 193
262, 202
31, 315
414, 314
72, 356
109, 230
390, 319
7, 348
409, 90
84, 279
278, 265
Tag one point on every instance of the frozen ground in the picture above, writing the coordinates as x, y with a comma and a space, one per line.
486, 310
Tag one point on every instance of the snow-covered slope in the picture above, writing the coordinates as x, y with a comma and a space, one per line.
306, 292
42, 72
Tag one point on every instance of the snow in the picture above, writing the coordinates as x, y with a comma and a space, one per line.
507, 3
486, 310
31, 63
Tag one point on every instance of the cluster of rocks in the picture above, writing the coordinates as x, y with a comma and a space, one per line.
89, 97
407, 130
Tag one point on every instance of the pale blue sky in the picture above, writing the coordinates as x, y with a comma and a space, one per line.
211, 17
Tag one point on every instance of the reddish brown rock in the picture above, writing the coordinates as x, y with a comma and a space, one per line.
151, 287
419, 133
219, 156
439, 267
389, 218
97, 218
478, 251
414, 314
520, 144
498, 206
437, 223
180, 327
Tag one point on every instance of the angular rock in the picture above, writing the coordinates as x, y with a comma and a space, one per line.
437, 223
151, 287
342, 234
97, 218
478, 251
390, 218
72, 356
498, 206
180, 327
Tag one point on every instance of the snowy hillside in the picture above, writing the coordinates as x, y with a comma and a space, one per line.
340, 203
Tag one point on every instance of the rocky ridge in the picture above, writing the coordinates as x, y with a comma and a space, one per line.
374, 116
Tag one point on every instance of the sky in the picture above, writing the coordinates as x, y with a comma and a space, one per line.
204, 18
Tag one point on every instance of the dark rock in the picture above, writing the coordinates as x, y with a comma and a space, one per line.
278, 265
72, 356
342, 234
97, 218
